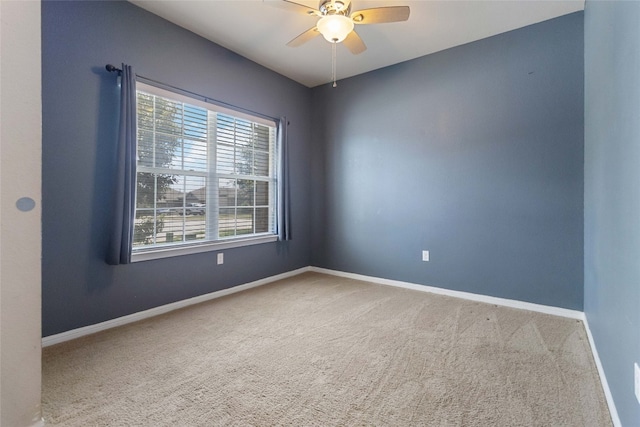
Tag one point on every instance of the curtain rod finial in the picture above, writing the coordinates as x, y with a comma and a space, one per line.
111, 68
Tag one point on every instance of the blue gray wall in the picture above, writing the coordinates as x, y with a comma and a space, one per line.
79, 128
474, 153
612, 194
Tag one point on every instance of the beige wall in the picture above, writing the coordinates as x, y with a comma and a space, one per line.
20, 232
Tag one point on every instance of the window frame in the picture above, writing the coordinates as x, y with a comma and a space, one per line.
211, 179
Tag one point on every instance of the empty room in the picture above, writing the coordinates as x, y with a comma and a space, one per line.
331, 213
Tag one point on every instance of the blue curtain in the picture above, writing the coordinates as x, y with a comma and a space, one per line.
284, 209
123, 206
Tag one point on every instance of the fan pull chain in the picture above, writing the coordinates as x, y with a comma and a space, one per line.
333, 63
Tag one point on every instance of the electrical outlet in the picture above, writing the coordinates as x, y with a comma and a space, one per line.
220, 258
636, 371
425, 255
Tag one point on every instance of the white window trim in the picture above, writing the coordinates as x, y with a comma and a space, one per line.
179, 249
196, 248
199, 103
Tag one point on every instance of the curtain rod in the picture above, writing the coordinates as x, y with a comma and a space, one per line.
113, 69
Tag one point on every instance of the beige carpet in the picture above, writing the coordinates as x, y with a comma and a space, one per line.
316, 350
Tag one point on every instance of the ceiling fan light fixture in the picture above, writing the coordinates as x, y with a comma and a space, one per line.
335, 28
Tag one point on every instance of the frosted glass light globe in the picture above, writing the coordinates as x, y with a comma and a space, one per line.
335, 28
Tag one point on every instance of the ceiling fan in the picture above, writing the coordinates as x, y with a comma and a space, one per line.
337, 22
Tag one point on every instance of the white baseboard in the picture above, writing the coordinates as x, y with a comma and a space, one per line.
556, 311
92, 329
603, 378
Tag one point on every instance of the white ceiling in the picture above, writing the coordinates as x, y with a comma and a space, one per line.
259, 31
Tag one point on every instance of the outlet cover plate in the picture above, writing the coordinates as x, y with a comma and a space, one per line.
425, 255
636, 376
220, 258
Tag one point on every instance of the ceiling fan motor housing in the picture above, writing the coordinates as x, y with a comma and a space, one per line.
335, 7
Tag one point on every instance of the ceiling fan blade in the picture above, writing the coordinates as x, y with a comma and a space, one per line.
381, 15
304, 37
293, 7
354, 43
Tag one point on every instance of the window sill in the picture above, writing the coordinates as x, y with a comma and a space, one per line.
188, 249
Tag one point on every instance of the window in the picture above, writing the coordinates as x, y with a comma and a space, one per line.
206, 176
